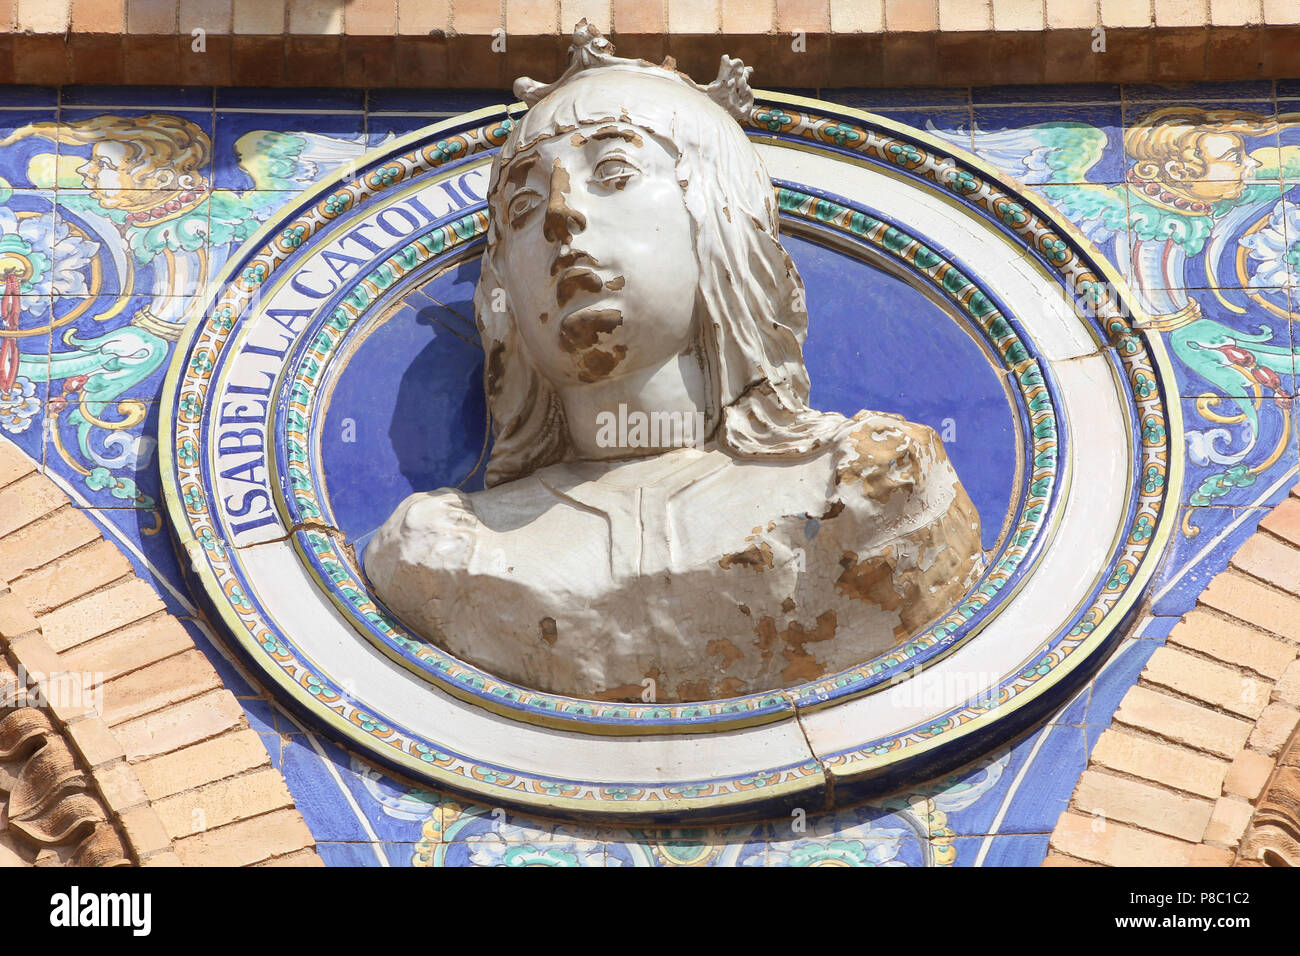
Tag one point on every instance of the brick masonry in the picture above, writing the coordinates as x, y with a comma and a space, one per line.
809, 43
168, 750
1201, 750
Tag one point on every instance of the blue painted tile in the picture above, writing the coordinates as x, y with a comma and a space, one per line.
308, 147
259, 712
1198, 92
1228, 153
28, 158
1118, 677
1042, 93
324, 807
1189, 263
274, 745
446, 102
1047, 144
365, 854
1075, 710
290, 100
384, 126
194, 97
487, 850
1027, 849
876, 100
1194, 559
14, 96
183, 147
951, 125
1223, 460
122, 461
1055, 761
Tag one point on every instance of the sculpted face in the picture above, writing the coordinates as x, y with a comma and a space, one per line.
597, 253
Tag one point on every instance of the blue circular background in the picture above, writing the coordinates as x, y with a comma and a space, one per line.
407, 411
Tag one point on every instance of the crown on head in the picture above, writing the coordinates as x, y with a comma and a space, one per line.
591, 50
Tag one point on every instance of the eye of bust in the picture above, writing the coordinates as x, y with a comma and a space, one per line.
520, 205
615, 171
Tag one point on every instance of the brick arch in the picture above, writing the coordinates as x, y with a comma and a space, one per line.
137, 754
1201, 764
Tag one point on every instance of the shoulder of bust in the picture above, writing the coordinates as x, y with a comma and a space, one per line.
445, 509
879, 454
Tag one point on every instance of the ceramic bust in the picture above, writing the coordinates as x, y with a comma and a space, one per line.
664, 516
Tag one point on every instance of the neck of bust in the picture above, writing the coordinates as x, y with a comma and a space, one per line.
635, 414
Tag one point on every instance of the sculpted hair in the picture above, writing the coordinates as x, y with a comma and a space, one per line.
749, 305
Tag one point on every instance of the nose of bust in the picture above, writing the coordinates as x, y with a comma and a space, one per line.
563, 221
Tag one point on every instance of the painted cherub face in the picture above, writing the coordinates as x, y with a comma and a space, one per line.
597, 253
107, 172
1227, 169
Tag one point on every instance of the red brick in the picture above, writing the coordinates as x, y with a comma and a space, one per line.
313, 61
207, 67
15, 618
1265, 557
1115, 844
297, 858
14, 463
423, 17
246, 842
97, 16
151, 688
130, 648
1141, 804
217, 804
1233, 643
639, 17
1213, 683
27, 499
809, 16
152, 59
905, 16
1229, 821
370, 61
476, 17
180, 725
43, 541
1183, 722
88, 617
422, 60
96, 58
256, 60
41, 59
1177, 767
1274, 728
376, 18
95, 742
215, 759
1248, 775
71, 576
1249, 600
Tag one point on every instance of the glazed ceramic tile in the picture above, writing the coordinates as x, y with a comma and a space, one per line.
1057, 144
190, 97
135, 278
277, 151
1045, 93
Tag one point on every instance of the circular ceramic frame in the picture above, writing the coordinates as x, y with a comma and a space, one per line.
248, 497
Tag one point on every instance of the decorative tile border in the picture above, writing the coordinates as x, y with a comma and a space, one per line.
918, 156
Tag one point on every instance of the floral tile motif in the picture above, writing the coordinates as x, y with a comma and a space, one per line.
118, 204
